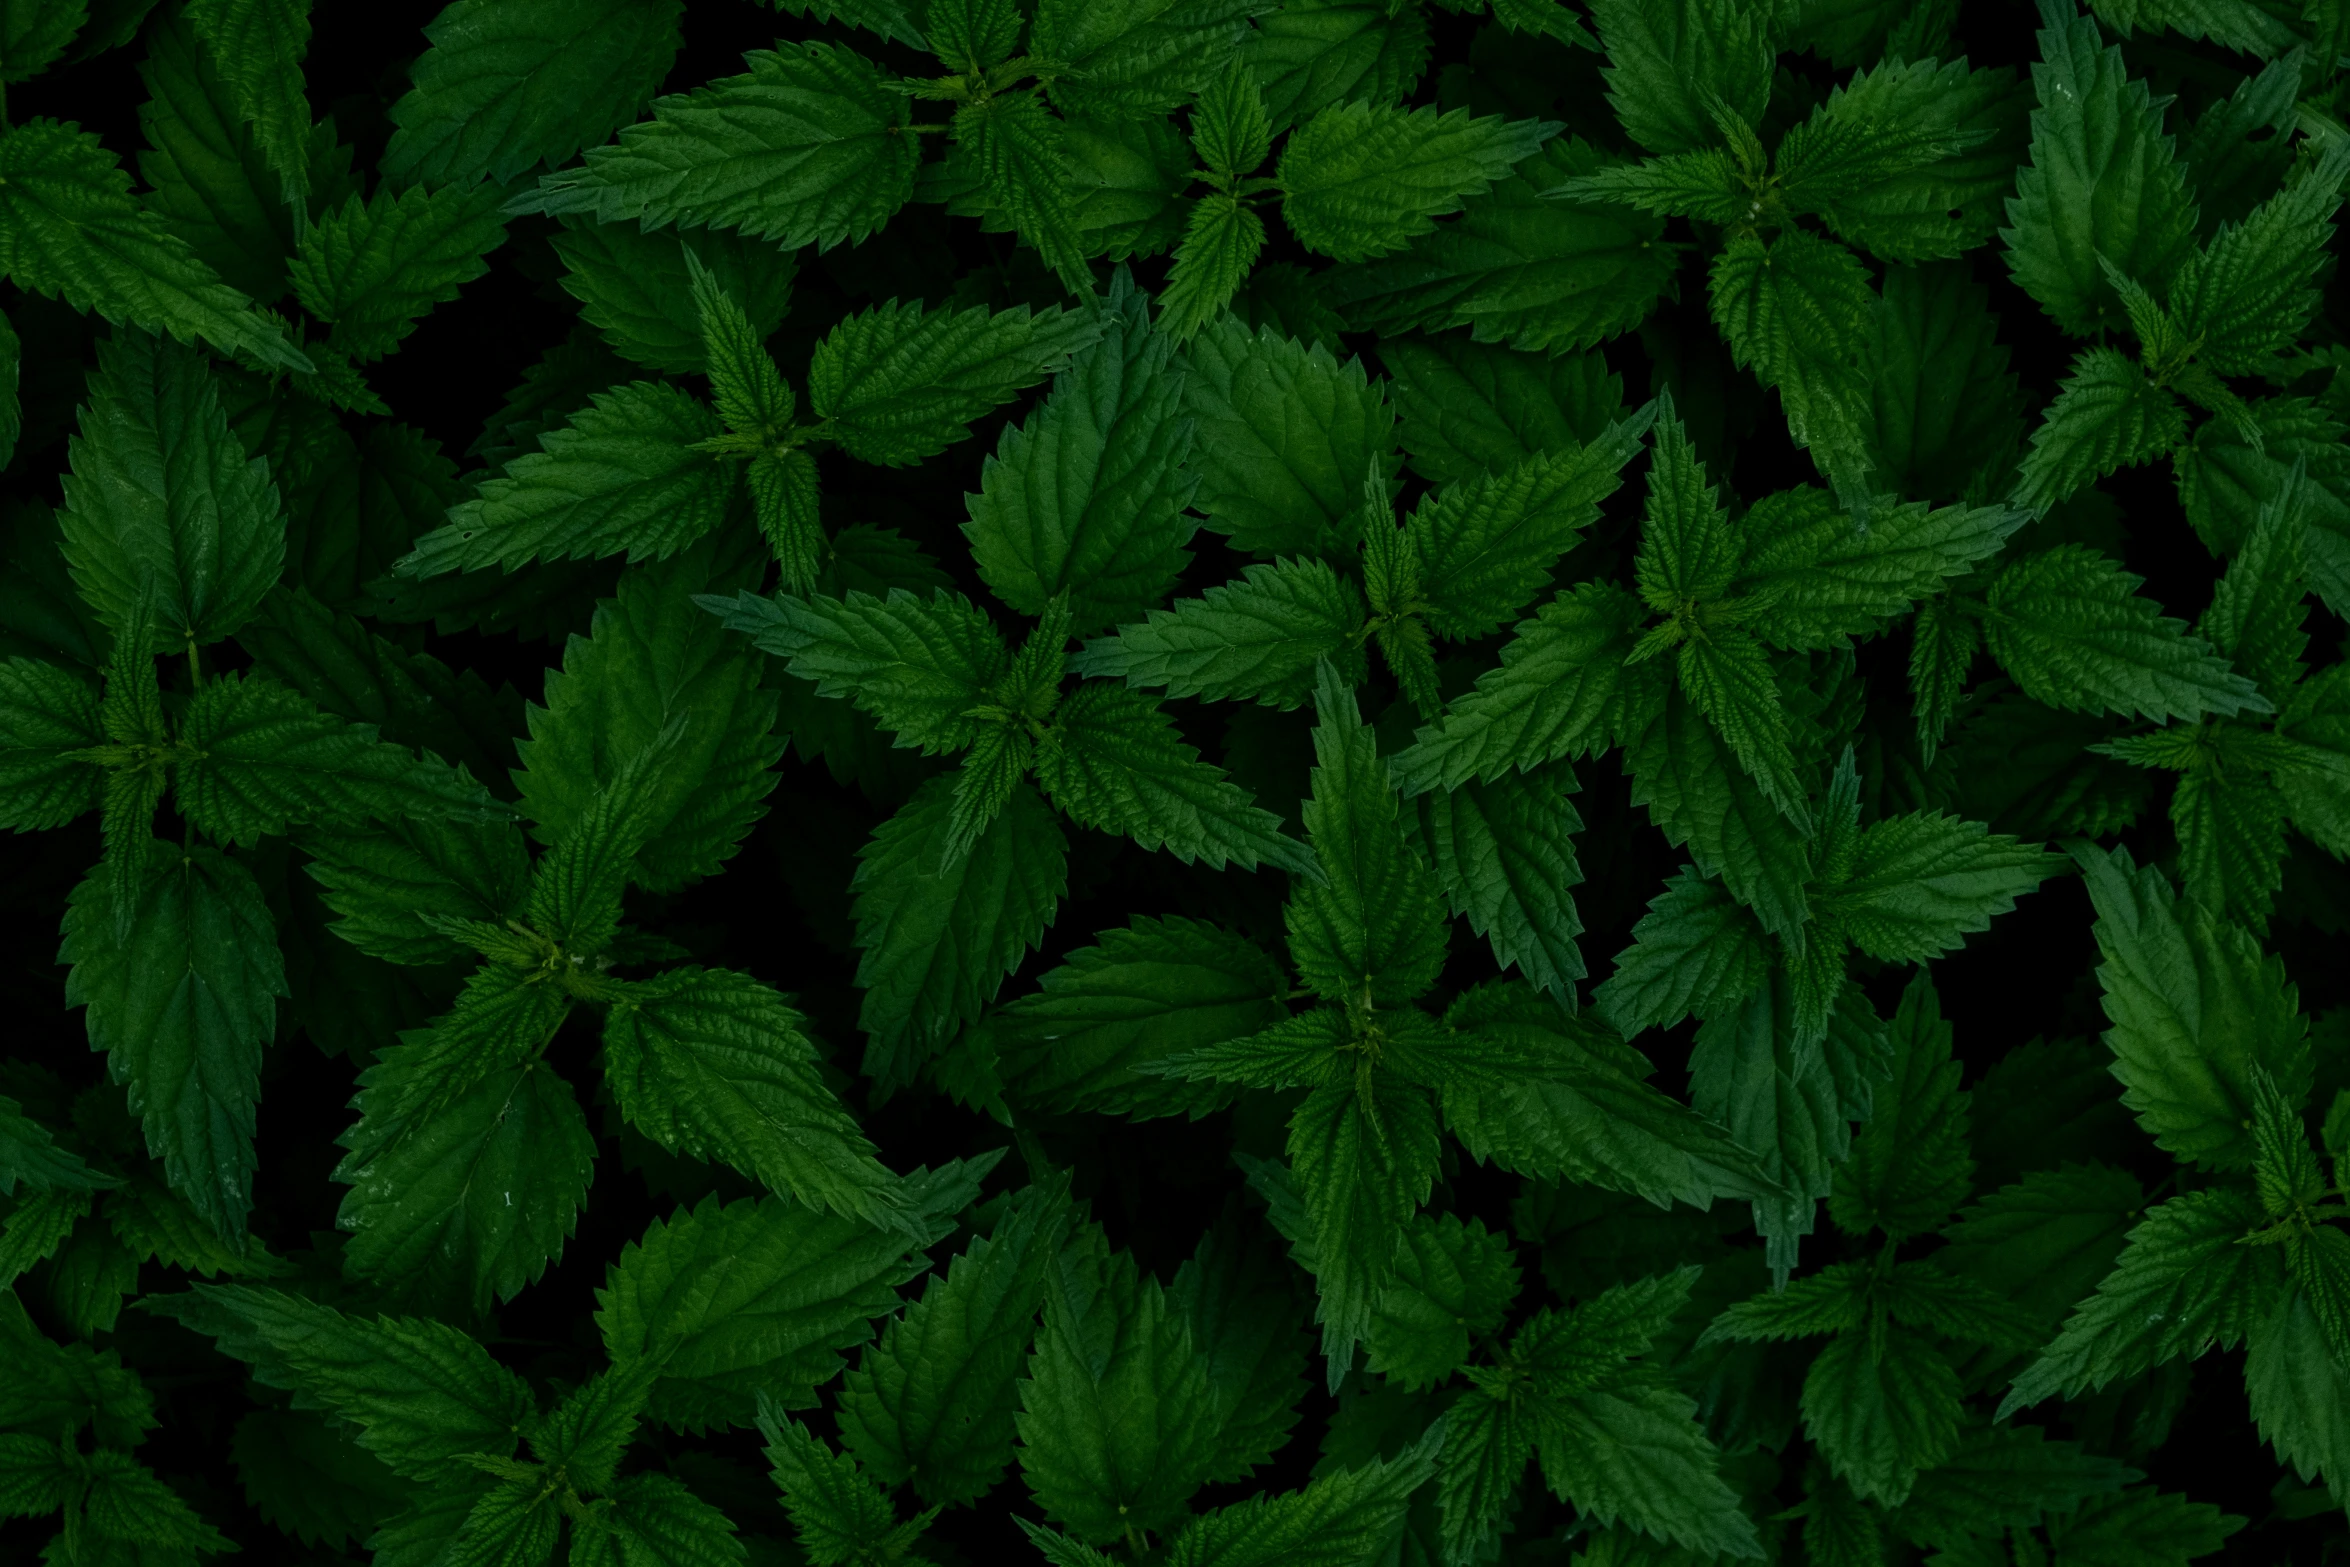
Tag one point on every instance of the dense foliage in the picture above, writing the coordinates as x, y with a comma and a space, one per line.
1212, 782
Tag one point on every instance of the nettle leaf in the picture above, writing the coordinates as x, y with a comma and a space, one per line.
1469, 407
1285, 435
1116, 1416
919, 666
1155, 989
1358, 181
934, 1399
424, 1396
897, 384
1113, 760
46, 715
180, 971
716, 1065
1664, 61
1309, 56
1373, 925
1257, 638
652, 658
2069, 625
938, 936
1517, 266
636, 286
1797, 311
808, 147
1504, 854
163, 499
2197, 1010
2103, 186
732, 1302
1087, 497
620, 476
506, 87
1945, 405
2107, 416
70, 229
375, 268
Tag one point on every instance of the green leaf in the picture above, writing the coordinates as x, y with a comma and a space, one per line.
1517, 267
714, 1064
1798, 312
1820, 582
1286, 434
1365, 1160
261, 758
1245, 1319
1087, 496
2003, 1477
2140, 1525
1155, 989
636, 287
2182, 1285
35, 35
933, 1400
1310, 54
808, 147
1728, 677
1504, 854
1220, 244
393, 884
1882, 1406
1374, 928
575, 892
1453, 1283
1359, 180
938, 938
1910, 1165
2107, 416
2044, 1242
1697, 794
620, 476
467, 1200
1346, 1516
1113, 760
1910, 160
838, 1514
1116, 1418
1921, 882
258, 47
2247, 294
1488, 544
2297, 1387
895, 384
1946, 406
29, 1154
732, 1301
1695, 952
423, 1395
376, 268
508, 86
2197, 1010
2069, 625
917, 665
69, 229
181, 986
651, 658
307, 1480
1561, 690
1015, 146
1789, 1097
1141, 57
1635, 1454
1470, 408
1665, 60
46, 715
1255, 638
2103, 184
163, 500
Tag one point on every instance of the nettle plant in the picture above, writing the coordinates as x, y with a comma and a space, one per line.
1206, 783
